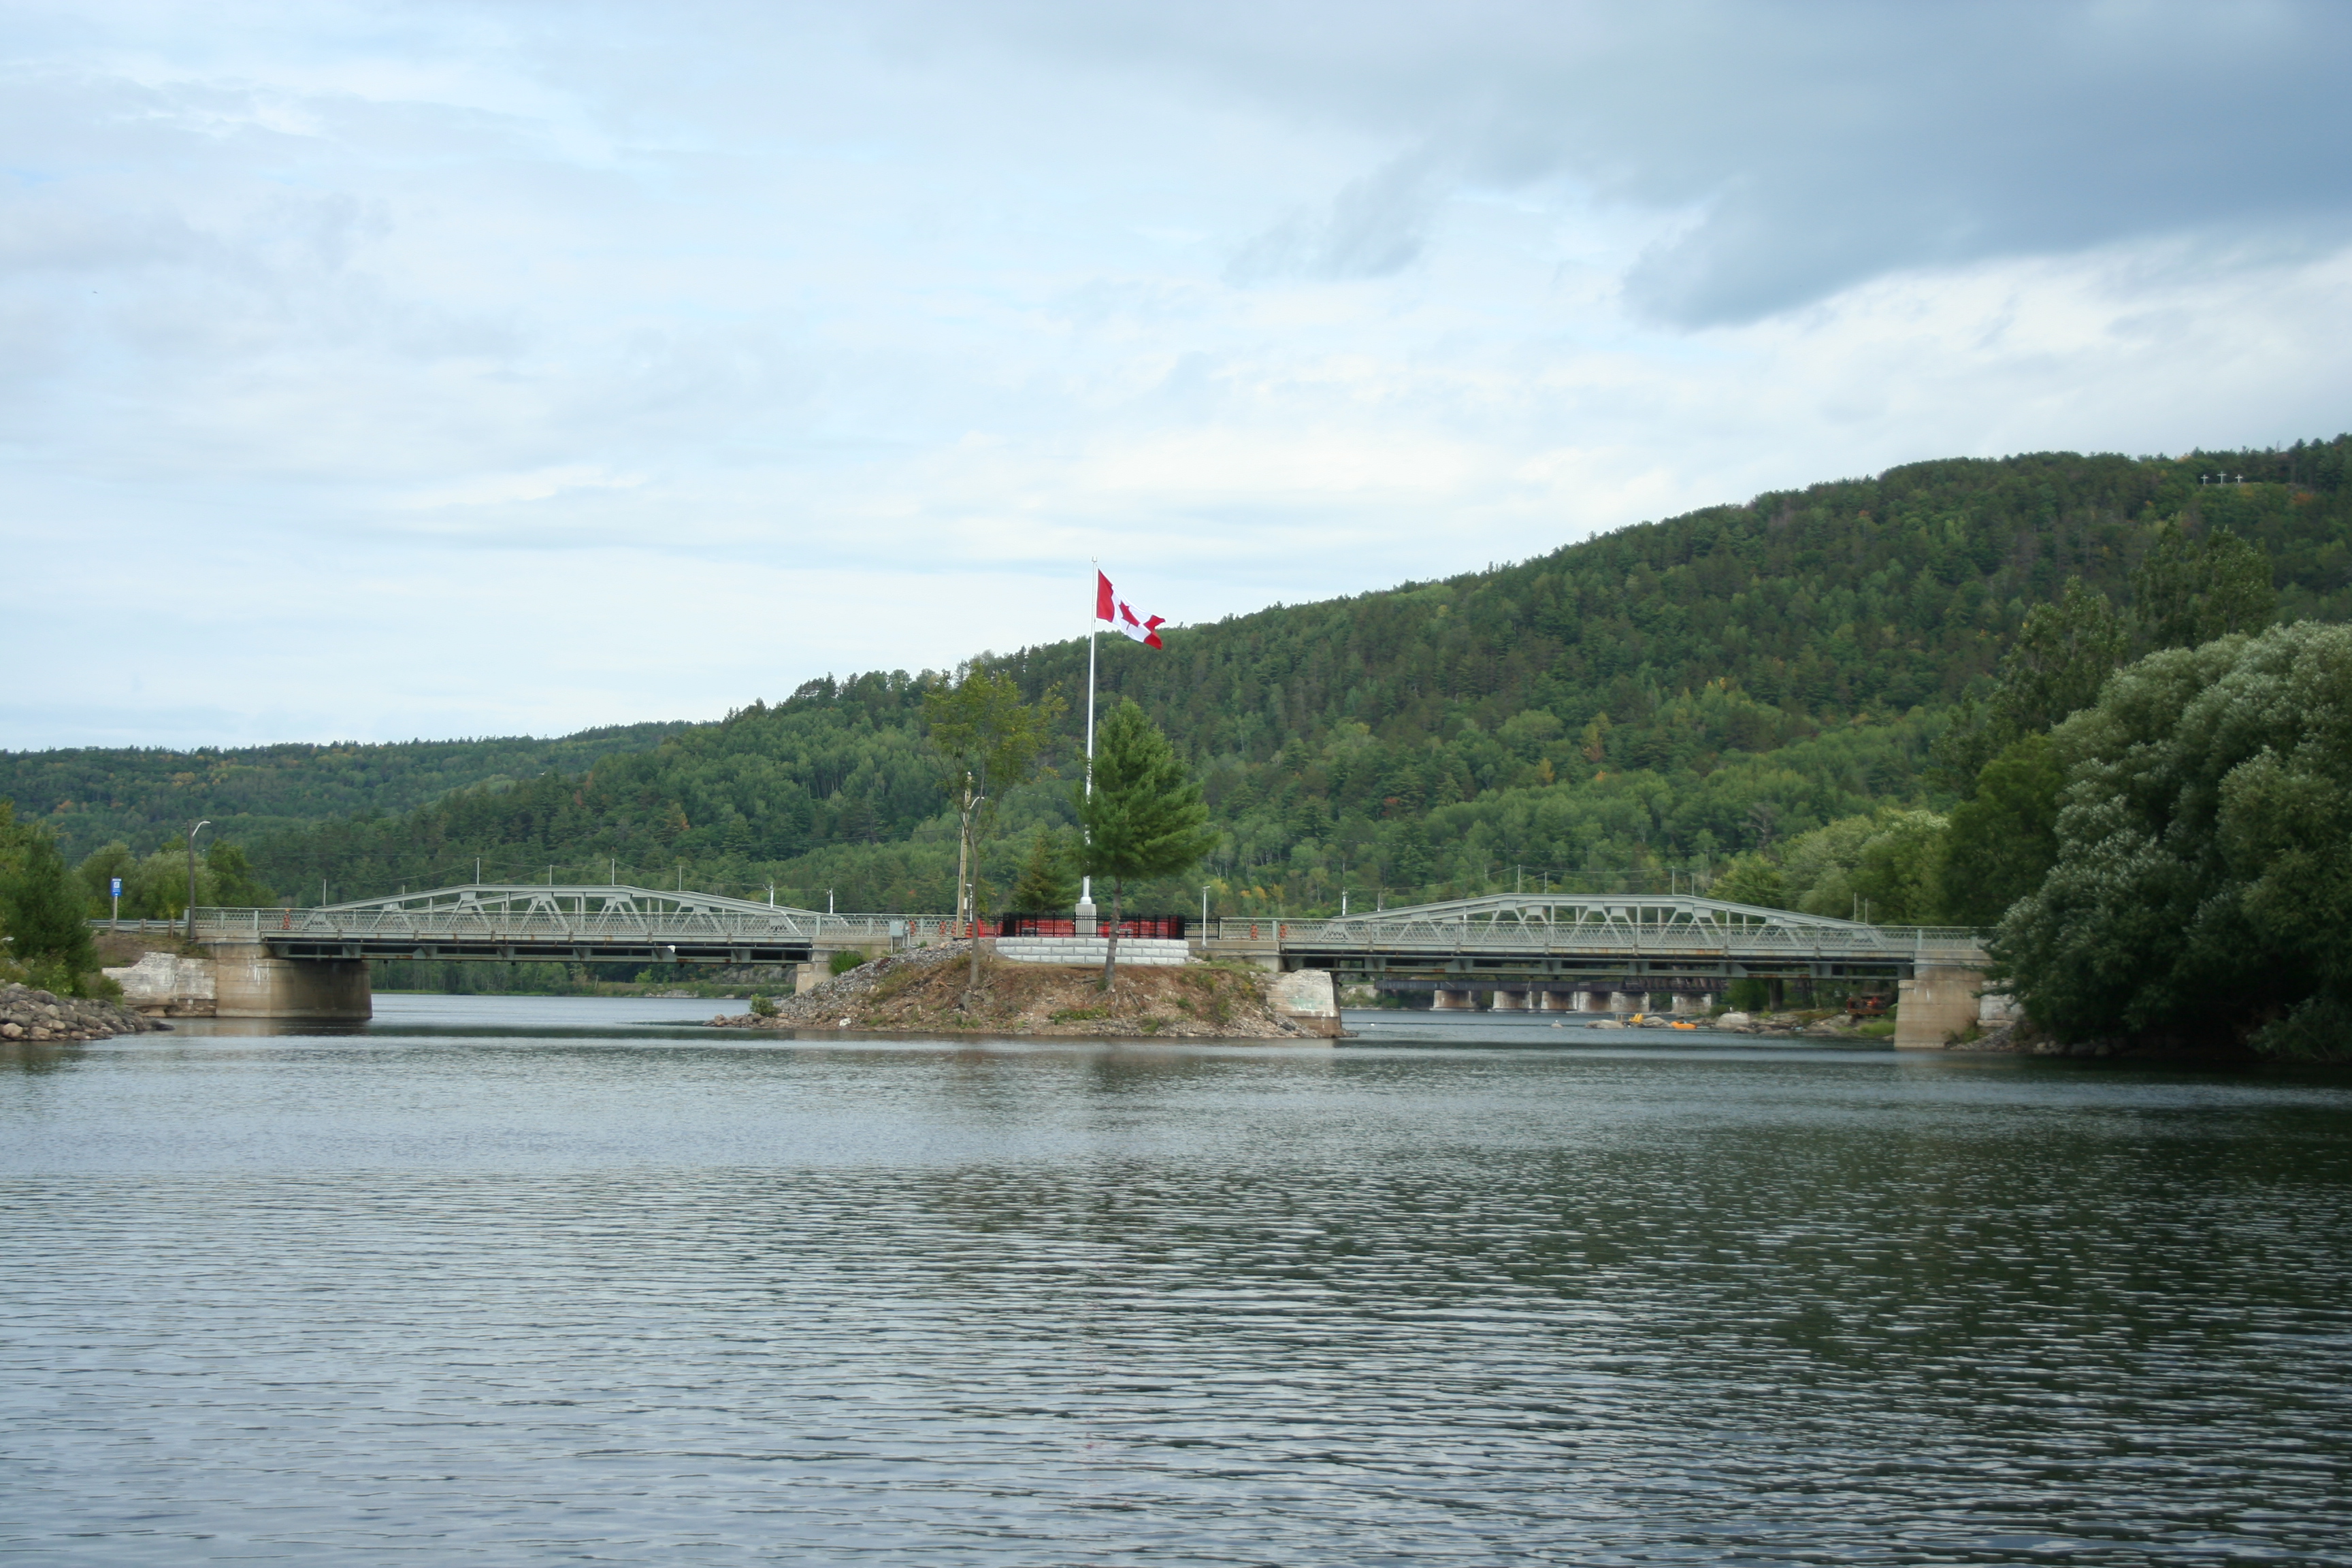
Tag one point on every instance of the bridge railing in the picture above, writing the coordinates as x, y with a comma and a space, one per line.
1955, 945
545, 929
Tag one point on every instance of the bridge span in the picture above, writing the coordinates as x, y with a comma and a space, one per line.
1568, 943
1550, 952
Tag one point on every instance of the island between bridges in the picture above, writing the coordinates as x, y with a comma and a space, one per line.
1550, 952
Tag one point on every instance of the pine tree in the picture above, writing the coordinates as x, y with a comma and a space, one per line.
1144, 817
1045, 882
42, 910
2189, 591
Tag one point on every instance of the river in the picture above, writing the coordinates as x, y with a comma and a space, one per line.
523, 1281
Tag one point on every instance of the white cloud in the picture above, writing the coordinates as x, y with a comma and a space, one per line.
727, 346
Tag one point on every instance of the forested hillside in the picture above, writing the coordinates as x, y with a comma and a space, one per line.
145, 797
1638, 707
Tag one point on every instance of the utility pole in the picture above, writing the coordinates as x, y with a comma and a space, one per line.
199, 827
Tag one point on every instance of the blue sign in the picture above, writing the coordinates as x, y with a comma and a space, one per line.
118, 887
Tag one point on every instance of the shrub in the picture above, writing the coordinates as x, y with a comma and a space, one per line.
2204, 874
847, 959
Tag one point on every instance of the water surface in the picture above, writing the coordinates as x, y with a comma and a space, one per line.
497, 1280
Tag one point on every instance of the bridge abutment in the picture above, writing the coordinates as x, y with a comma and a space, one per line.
248, 983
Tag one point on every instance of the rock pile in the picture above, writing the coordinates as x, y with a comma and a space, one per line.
1812, 1025
29, 1014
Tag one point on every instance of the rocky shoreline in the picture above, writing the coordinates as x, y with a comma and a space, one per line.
29, 1014
925, 992
1808, 1025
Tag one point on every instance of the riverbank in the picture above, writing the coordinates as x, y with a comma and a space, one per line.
26, 1014
928, 992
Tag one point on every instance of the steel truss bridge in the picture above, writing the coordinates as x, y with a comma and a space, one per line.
539, 922
1559, 942
1594, 941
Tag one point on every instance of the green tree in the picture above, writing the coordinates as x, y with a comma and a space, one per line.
99, 870
2189, 591
233, 884
1752, 878
987, 742
2004, 838
1045, 882
2063, 653
1880, 866
2203, 883
1144, 817
44, 914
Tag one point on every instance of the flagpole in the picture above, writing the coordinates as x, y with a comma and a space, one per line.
1086, 883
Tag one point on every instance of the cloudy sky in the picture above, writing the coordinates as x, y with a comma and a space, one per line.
439, 368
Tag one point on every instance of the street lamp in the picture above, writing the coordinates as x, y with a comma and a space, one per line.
199, 827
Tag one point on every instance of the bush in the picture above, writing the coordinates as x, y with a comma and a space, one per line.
2204, 873
845, 960
764, 1006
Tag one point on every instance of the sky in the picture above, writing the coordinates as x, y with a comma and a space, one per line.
375, 372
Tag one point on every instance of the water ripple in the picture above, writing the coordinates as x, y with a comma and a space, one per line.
440, 1300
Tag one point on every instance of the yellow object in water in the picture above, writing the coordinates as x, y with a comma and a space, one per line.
1682, 1026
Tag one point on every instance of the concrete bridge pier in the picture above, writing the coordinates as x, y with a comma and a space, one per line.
1690, 1002
1446, 999
1937, 1004
248, 983
1510, 1002
1560, 1000
1627, 1001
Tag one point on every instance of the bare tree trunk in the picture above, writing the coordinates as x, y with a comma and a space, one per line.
972, 989
1110, 949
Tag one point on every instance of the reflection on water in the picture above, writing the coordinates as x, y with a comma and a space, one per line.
450, 1290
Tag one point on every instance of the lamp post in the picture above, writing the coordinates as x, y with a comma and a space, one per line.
199, 827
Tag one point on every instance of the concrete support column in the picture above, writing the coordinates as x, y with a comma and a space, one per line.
1689, 1002
1510, 1002
1625, 1000
1558, 1001
1937, 1004
1446, 1000
248, 983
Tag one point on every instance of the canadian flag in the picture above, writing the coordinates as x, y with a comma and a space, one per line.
1110, 606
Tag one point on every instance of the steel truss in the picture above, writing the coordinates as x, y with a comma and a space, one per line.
542, 921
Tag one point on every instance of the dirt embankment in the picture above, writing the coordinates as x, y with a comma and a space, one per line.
925, 992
